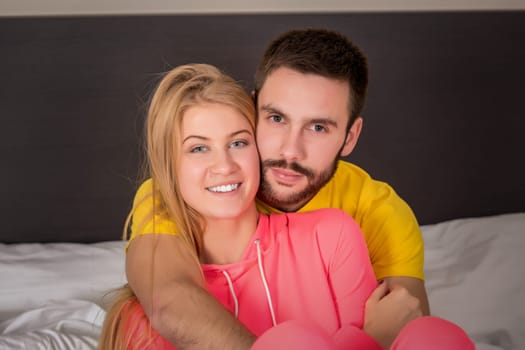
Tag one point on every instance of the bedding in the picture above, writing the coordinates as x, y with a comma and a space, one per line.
53, 294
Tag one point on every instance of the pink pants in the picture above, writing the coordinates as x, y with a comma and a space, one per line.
424, 333
428, 333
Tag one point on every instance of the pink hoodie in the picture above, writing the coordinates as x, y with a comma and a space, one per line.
302, 284
311, 267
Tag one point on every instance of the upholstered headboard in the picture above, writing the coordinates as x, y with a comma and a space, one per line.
444, 120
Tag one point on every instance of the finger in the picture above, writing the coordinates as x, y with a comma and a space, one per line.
380, 291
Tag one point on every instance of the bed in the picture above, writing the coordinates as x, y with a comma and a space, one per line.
443, 124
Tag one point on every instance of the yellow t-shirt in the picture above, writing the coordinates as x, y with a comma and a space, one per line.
143, 220
391, 231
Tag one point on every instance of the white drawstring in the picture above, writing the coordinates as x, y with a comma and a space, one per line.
232, 291
267, 290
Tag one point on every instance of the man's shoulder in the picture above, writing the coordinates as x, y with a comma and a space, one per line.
350, 184
347, 170
145, 189
355, 179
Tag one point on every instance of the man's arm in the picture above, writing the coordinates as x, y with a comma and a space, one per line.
395, 242
387, 311
414, 286
168, 283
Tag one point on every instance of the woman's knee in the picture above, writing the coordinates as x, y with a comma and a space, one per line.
430, 332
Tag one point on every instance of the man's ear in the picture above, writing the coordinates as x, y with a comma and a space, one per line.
352, 137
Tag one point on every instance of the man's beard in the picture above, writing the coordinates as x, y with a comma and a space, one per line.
293, 201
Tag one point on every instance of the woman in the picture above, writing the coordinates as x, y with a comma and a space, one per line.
269, 270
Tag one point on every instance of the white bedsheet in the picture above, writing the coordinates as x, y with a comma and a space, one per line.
474, 277
34, 275
51, 294
68, 324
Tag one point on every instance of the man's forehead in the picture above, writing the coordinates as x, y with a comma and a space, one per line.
308, 94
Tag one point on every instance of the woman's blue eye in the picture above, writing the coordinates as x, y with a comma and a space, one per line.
237, 144
198, 149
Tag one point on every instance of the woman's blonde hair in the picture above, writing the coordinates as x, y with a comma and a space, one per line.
114, 335
179, 89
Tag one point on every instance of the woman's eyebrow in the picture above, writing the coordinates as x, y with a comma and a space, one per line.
204, 138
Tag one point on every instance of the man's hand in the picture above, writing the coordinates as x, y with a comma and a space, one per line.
415, 286
387, 311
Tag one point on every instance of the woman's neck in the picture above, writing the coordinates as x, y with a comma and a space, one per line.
225, 240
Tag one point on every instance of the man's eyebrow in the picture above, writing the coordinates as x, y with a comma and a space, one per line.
324, 121
271, 109
204, 138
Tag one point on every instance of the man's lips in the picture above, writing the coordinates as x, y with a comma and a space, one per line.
286, 176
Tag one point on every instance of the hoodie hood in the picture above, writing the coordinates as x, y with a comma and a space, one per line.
277, 224
221, 279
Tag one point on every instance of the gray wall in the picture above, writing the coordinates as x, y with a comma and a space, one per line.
443, 120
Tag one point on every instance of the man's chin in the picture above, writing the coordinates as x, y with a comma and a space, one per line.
283, 200
284, 192
292, 195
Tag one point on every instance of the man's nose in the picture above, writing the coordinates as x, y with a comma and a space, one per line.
292, 146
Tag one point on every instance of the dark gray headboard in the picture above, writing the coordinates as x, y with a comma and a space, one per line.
444, 120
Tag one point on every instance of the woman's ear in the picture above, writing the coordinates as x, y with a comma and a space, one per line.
352, 137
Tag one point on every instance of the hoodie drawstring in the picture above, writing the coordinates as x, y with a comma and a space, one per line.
263, 277
232, 292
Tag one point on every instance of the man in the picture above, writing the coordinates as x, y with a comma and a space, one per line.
310, 91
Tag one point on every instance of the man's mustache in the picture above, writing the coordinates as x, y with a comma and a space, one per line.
281, 163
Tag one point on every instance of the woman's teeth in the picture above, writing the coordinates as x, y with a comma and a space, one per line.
223, 188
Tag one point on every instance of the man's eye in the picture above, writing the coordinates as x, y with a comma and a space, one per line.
198, 149
276, 118
318, 128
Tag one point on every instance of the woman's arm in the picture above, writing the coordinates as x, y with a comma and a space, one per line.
352, 279
388, 309
168, 283
354, 287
